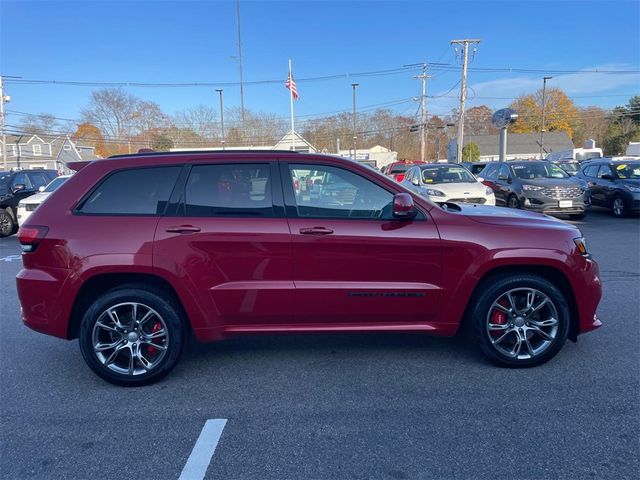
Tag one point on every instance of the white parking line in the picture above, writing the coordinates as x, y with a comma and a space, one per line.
10, 258
202, 452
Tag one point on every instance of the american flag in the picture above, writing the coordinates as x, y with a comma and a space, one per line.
291, 85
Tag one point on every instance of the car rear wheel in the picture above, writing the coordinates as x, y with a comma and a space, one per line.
131, 336
618, 208
513, 202
7, 225
520, 320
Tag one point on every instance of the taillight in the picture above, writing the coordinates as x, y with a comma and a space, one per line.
30, 237
296, 185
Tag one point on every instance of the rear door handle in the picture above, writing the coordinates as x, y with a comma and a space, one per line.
183, 229
316, 231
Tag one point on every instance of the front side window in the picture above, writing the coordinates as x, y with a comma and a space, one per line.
22, 179
604, 170
238, 189
590, 171
38, 179
136, 191
339, 193
53, 186
503, 172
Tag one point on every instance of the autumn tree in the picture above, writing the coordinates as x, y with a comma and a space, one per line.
561, 114
92, 135
471, 152
477, 121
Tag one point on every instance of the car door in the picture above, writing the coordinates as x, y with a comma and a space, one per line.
353, 263
21, 178
227, 240
604, 186
589, 174
501, 186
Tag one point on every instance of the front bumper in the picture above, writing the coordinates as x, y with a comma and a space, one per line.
587, 288
537, 202
478, 200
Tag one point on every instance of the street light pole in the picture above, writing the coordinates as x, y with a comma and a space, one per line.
544, 101
219, 90
354, 85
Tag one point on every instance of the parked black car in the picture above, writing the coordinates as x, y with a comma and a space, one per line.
613, 184
14, 186
536, 185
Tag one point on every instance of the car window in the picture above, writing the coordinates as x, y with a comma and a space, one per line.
409, 175
504, 171
339, 193
139, 191
399, 168
38, 179
434, 174
590, 171
604, 170
489, 171
22, 179
55, 184
534, 170
230, 190
627, 171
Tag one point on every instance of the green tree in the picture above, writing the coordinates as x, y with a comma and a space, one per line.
161, 142
470, 152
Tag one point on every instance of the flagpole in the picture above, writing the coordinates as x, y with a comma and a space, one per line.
293, 136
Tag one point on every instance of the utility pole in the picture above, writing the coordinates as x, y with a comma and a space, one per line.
354, 85
463, 90
219, 90
240, 63
423, 114
3, 99
544, 101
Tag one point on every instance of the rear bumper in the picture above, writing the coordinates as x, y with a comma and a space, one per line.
44, 307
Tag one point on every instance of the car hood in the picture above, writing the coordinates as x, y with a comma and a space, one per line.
38, 198
554, 182
459, 189
509, 216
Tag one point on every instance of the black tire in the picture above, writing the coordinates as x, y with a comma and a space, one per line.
491, 291
169, 313
513, 202
576, 216
7, 223
618, 206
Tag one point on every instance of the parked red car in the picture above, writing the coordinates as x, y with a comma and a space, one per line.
133, 254
397, 170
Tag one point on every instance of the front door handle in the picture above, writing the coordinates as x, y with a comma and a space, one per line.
316, 231
183, 229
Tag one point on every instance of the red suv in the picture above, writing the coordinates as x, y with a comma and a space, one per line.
135, 253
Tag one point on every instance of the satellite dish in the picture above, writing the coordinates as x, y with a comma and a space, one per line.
504, 117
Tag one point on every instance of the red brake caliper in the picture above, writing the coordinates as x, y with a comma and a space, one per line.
498, 317
156, 328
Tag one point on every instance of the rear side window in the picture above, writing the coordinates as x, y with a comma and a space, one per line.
240, 189
489, 171
139, 191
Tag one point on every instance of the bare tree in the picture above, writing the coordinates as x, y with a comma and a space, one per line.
202, 120
113, 111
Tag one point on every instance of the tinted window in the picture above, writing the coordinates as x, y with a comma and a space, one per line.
229, 190
604, 170
339, 193
489, 171
22, 179
533, 170
38, 179
504, 171
628, 170
590, 171
142, 191
399, 168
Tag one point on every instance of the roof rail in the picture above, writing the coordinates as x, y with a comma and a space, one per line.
148, 152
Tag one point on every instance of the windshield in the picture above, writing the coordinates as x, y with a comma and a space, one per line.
55, 184
628, 171
447, 174
530, 171
399, 168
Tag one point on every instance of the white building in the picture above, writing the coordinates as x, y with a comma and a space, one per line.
377, 156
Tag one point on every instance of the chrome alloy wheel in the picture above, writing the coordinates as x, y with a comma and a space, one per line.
522, 323
618, 206
130, 338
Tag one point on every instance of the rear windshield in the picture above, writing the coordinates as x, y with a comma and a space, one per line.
399, 168
569, 167
530, 171
53, 186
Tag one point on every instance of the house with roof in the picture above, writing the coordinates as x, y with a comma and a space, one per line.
298, 141
28, 152
520, 146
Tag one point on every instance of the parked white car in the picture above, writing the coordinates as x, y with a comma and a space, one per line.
448, 182
29, 204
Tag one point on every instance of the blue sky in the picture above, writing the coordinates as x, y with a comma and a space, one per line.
165, 41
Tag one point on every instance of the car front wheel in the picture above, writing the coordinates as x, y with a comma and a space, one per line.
513, 202
131, 336
618, 208
7, 225
520, 320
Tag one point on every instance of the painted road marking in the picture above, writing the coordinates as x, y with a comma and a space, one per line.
10, 258
202, 452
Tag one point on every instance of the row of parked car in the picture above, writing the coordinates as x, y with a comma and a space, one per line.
555, 188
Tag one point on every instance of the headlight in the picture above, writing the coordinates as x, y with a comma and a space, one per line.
532, 188
488, 191
435, 193
581, 245
632, 188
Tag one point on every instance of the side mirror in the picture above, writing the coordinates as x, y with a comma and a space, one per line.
606, 176
403, 207
41, 189
18, 187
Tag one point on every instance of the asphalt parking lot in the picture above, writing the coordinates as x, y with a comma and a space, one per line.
340, 406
